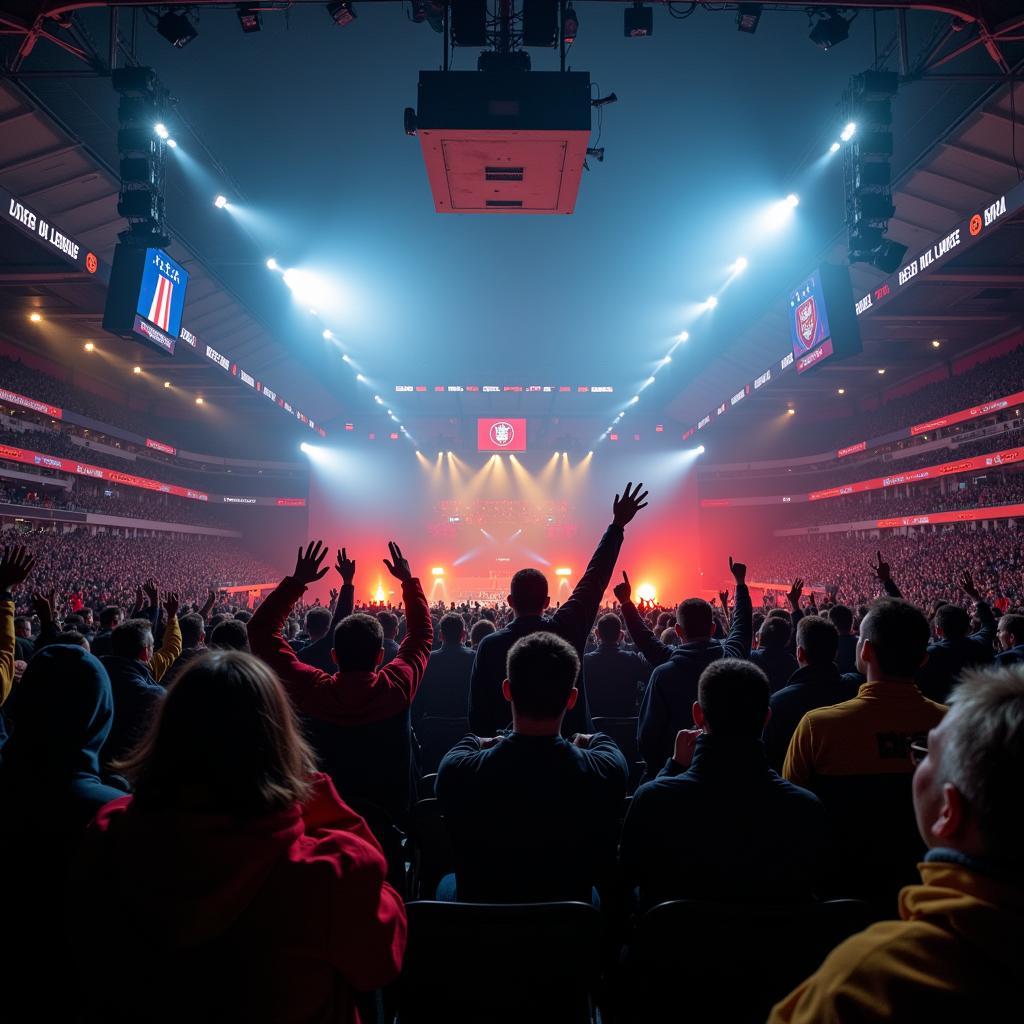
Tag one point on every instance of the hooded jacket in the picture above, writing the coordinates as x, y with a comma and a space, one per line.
136, 695
277, 918
955, 954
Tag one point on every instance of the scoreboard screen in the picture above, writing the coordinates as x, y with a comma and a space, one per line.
146, 296
501, 435
822, 320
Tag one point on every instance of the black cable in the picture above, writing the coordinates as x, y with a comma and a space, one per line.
681, 15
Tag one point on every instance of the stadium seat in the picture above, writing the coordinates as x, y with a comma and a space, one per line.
436, 737
425, 787
485, 963
730, 963
429, 848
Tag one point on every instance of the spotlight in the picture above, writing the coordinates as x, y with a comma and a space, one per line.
637, 21
683, 336
792, 200
646, 592
936, 343
830, 30
437, 571
342, 12
199, 399
700, 449
791, 411
35, 317
167, 383
648, 382
89, 347
346, 357
881, 371
136, 370
220, 202
570, 25
841, 391
161, 130
712, 302
634, 400
249, 18
834, 148
327, 334
172, 144
779, 213
176, 28
666, 359
847, 133
272, 264
564, 571
378, 399
747, 17
740, 265
360, 378
303, 447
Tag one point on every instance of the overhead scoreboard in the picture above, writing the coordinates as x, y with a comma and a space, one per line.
146, 297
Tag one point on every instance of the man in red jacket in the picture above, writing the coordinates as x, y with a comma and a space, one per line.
358, 718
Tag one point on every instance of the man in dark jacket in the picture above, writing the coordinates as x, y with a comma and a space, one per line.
444, 692
488, 710
815, 684
532, 816
614, 678
718, 823
955, 650
846, 651
671, 694
110, 618
1011, 639
773, 655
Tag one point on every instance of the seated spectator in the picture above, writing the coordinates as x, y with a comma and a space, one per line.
135, 670
531, 815
773, 655
481, 628
389, 627
815, 684
718, 823
358, 717
614, 678
246, 885
955, 650
444, 692
230, 635
955, 953
846, 651
672, 691
572, 621
1010, 635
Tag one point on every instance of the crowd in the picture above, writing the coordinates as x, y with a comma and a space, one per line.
249, 811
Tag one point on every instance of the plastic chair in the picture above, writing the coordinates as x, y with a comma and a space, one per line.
486, 963
727, 962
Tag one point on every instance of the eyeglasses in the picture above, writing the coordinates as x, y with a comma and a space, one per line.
918, 752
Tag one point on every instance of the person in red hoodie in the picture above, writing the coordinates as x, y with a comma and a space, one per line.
358, 718
234, 884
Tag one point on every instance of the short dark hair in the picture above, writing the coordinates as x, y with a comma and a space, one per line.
388, 624
72, 636
780, 613
23, 621
481, 628
818, 638
452, 627
898, 633
216, 620
775, 633
756, 621
609, 628
192, 627
1014, 625
318, 620
529, 591
71, 621
243, 615
733, 695
224, 735
108, 615
230, 635
358, 640
953, 620
696, 618
841, 617
131, 637
542, 670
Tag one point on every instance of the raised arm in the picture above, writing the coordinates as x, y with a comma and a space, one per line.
15, 565
319, 652
987, 634
170, 647
884, 574
741, 630
654, 651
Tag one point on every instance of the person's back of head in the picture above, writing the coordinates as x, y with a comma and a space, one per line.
388, 624
541, 683
609, 628
952, 622
669, 637
967, 788
842, 618
780, 613
732, 699
453, 628
817, 641
665, 621
695, 619
75, 622
224, 741
110, 617
358, 643
528, 592
481, 628
243, 616
133, 639
72, 637
193, 630
318, 621
893, 641
756, 621
230, 635
775, 634
1011, 630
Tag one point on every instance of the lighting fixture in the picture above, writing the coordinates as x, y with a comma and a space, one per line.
847, 133
249, 18
747, 17
342, 12
570, 25
176, 28
272, 264
35, 317
199, 399
89, 346
136, 370
220, 202
830, 30
167, 383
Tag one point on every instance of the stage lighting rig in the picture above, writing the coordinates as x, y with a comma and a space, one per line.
747, 17
342, 12
830, 30
249, 18
637, 21
176, 27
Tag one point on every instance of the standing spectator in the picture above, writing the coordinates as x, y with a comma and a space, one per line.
773, 654
956, 951
110, 619
532, 816
481, 628
15, 565
573, 620
614, 678
247, 886
389, 627
846, 649
444, 692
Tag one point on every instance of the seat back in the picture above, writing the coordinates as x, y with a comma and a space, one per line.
436, 737
429, 848
728, 962
468, 963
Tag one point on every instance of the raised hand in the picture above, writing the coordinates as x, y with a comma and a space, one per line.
149, 588
881, 570
398, 566
795, 592
43, 605
171, 604
15, 565
623, 591
346, 567
723, 596
739, 572
626, 507
966, 583
685, 745
307, 566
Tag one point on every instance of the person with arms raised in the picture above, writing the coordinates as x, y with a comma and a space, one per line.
358, 716
572, 621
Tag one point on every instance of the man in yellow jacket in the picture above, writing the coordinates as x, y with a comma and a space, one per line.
15, 565
957, 950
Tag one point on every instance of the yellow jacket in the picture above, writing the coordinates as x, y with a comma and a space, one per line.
6, 649
170, 649
955, 955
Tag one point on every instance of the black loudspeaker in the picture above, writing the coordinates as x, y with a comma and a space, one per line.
540, 22
469, 23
